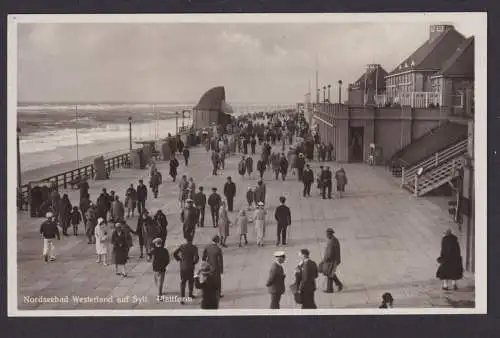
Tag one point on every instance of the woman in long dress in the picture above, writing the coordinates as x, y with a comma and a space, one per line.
242, 221
450, 261
101, 241
120, 249
223, 224
260, 223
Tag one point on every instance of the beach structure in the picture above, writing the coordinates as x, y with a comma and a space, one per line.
212, 109
367, 86
422, 125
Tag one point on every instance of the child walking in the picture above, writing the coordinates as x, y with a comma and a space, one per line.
76, 218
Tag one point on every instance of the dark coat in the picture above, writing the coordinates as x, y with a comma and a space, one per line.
450, 259
161, 259
229, 189
326, 176
308, 276
260, 194
213, 255
341, 177
308, 176
200, 199
174, 163
187, 255
210, 298
249, 165
162, 223
142, 192
331, 258
284, 165
283, 215
276, 281
214, 200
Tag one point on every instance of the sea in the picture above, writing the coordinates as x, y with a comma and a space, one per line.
54, 133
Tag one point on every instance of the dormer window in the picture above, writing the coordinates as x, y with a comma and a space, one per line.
406, 65
412, 63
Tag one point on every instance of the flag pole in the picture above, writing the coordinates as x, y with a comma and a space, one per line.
76, 135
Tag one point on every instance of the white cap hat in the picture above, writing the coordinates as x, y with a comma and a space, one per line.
279, 254
260, 203
49, 214
100, 220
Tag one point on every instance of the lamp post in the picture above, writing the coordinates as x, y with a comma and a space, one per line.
340, 91
329, 86
176, 122
18, 159
324, 94
130, 132
317, 95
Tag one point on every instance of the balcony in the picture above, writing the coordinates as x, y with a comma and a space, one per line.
412, 99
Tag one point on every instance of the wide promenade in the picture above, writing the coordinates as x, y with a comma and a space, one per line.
389, 239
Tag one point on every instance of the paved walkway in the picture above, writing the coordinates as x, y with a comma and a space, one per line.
389, 241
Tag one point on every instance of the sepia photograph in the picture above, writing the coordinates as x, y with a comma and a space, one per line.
280, 164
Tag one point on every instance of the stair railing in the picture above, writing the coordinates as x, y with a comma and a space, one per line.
434, 161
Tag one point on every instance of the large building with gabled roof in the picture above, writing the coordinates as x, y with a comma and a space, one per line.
414, 74
370, 83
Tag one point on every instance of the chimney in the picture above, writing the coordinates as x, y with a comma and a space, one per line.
437, 30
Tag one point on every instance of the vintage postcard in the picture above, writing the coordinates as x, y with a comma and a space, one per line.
185, 165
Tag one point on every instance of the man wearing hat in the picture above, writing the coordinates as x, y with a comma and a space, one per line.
200, 202
189, 218
284, 219
146, 229
331, 261
276, 281
187, 256
326, 182
214, 201
229, 192
161, 259
213, 255
142, 196
307, 286
301, 162
307, 180
49, 231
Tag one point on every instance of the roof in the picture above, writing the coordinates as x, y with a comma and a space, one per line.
426, 146
212, 99
432, 54
374, 75
461, 63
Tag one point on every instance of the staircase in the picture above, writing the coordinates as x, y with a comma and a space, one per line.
437, 170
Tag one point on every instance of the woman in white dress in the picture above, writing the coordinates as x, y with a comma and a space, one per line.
102, 235
260, 223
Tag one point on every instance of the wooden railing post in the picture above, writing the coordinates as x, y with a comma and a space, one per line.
402, 177
436, 159
416, 186
65, 183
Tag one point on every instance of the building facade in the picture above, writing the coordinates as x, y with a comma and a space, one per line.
411, 82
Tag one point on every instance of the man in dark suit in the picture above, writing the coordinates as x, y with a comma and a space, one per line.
331, 261
187, 256
142, 196
284, 219
307, 179
307, 286
200, 201
214, 201
229, 192
276, 281
326, 182
213, 255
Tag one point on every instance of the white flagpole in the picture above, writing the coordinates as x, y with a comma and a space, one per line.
76, 135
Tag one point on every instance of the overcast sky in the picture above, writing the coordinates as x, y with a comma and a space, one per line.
178, 62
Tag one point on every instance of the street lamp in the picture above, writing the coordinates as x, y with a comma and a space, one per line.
130, 132
176, 122
317, 95
18, 159
329, 86
324, 94
340, 91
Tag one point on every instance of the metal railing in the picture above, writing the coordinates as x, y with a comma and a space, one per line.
72, 178
454, 151
412, 99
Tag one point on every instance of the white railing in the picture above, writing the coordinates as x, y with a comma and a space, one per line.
454, 151
412, 99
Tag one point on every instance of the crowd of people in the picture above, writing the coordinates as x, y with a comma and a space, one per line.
107, 220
